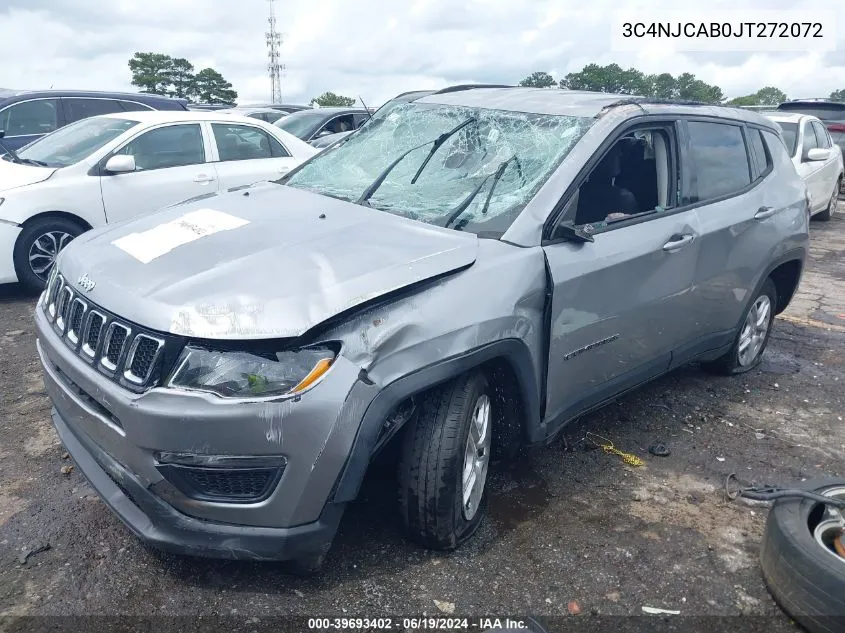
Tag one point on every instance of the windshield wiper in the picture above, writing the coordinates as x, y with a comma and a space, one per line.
10, 153
32, 161
369, 191
496, 176
439, 143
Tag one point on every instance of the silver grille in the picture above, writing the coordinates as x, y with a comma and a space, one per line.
113, 345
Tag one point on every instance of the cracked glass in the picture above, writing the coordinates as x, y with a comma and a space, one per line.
478, 180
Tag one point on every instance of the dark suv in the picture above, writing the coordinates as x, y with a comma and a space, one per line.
831, 113
28, 115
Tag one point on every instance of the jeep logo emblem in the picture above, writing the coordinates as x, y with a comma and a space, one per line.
86, 283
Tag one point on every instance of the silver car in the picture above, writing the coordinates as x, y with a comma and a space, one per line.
467, 273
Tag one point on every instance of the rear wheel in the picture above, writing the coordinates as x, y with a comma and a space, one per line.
753, 336
825, 215
37, 247
445, 459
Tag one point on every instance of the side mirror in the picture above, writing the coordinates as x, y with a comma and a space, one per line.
818, 153
572, 233
120, 164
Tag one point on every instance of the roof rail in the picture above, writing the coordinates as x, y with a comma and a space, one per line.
461, 87
810, 99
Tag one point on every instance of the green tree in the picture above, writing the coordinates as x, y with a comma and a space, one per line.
610, 78
691, 89
838, 95
771, 96
662, 86
747, 100
210, 87
151, 72
182, 78
538, 79
331, 100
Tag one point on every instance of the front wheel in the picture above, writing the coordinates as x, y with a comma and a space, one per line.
753, 336
37, 247
825, 215
445, 459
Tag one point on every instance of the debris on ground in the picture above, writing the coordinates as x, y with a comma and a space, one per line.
656, 611
66, 470
607, 446
445, 607
14, 332
659, 450
573, 607
24, 556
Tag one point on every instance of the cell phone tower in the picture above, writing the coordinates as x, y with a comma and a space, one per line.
274, 53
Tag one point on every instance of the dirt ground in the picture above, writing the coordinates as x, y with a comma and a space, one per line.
571, 529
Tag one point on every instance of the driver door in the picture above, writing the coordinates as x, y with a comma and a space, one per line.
172, 165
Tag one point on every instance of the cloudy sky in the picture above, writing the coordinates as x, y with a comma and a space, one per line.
375, 48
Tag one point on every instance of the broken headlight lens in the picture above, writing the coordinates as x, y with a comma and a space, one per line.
237, 374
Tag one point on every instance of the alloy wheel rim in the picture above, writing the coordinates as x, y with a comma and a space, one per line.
476, 457
44, 250
831, 527
754, 331
833, 200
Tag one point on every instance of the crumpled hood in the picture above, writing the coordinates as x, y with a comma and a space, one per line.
271, 261
16, 175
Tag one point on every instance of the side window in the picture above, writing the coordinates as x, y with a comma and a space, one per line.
83, 108
170, 146
39, 116
821, 135
634, 176
778, 152
810, 141
133, 106
243, 142
763, 162
344, 123
718, 163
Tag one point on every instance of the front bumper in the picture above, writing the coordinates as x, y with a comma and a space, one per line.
8, 236
114, 436
159, 524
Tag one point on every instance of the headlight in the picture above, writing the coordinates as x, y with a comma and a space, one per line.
235, 374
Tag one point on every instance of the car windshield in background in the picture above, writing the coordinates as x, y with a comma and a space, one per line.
75, 142
302, 124
478, 180
790, 135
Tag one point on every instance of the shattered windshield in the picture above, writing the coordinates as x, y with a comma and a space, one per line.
478, 179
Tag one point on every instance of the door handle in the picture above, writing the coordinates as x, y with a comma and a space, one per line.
203, 179
764, 212
678, 242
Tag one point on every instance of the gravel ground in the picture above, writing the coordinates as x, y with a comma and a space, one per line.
569, 529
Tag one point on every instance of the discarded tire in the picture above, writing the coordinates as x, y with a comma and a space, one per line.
802, 561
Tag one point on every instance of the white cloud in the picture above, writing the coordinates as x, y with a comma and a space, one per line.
372, 48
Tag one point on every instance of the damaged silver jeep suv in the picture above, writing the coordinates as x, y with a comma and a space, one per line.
469, 271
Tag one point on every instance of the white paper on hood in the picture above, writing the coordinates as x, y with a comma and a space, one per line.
155, 242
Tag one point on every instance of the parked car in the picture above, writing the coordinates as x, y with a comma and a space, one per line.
209, 107
28, 115
270, 115
287, 108
310, 125
115, 167
816, 158
469, 271
831, 113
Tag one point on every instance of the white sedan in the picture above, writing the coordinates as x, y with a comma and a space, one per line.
816, 158
114, 167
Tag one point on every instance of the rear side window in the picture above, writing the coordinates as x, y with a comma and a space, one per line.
763, 162
39, 116
243, 142
84, 108
133, 106
778, 151
718, 160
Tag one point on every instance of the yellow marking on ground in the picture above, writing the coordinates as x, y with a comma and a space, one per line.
811, 323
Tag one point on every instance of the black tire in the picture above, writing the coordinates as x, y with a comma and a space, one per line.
805, 580
729, 364
825, 215
34, 231
431, 468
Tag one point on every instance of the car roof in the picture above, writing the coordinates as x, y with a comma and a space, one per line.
788, 117
133, 96
580, 103
174, 116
